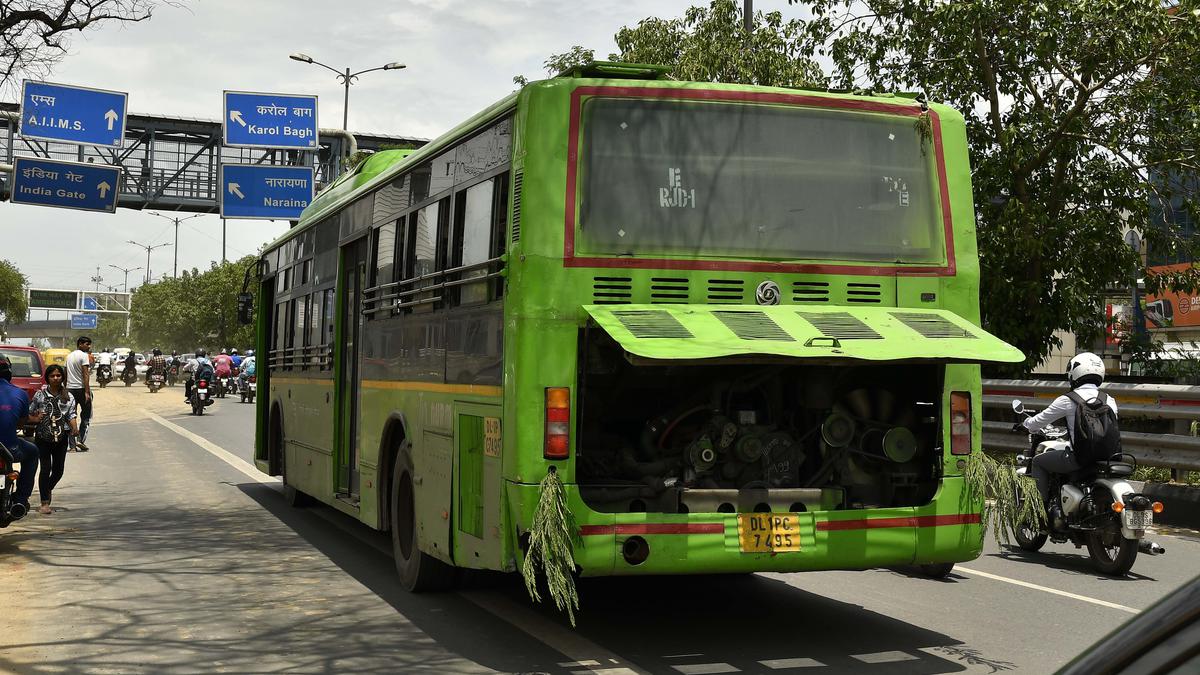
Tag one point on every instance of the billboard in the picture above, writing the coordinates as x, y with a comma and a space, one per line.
1169, 309
41, 298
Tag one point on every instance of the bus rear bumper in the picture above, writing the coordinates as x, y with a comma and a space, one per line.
614, 544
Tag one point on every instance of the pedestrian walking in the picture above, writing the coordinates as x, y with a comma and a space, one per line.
53, 409
79, 383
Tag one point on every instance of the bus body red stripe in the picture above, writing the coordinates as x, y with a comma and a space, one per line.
827, 525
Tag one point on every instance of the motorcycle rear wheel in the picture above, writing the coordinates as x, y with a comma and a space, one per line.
1028, 538
1111, 553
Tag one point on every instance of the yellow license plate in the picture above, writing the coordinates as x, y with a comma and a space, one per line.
768, 532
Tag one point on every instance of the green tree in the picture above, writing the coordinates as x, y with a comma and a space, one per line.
710, 44
196, 309
1079, 116
13, 305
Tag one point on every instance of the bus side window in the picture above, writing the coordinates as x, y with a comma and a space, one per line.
290, 340
471, 242
279, 340
327, 322
382, 273
301, 332
424, 251
499, 240
314, 330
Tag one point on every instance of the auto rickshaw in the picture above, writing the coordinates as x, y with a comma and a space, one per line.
58, 356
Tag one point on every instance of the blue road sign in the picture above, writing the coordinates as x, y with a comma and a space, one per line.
254, 120
59, 112
67, 185
89, 303
83, 322
265, 191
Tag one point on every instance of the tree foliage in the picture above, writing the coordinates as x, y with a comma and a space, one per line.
35, 34
1079, 116
13, 305
710, 44
195, 309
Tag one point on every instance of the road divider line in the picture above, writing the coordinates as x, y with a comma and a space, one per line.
1045, 589
217, 451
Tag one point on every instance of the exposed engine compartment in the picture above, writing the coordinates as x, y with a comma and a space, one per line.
741, 436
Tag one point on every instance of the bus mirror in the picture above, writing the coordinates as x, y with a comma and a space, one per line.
245, 308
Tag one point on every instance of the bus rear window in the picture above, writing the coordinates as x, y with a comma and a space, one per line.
727, 179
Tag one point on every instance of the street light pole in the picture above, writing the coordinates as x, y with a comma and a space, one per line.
148, 250
126, 270
177, 221
346, 78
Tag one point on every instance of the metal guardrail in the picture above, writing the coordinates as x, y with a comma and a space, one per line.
1149, 401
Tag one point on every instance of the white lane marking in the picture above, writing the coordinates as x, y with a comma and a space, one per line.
1045, 589
683, 656
707, 668
565, 641
217, 451
568, 643
603, 671
579, 664
885, 657
779, 664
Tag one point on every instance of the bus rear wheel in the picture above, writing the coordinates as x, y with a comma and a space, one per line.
419, 572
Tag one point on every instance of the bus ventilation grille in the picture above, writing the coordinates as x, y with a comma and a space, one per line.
862, 293
518, 180
668, 289
726, 291
840, 325
933, 326
652, 323
810, 291
753, 326
612, 290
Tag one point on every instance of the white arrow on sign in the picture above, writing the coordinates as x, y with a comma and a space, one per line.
236, 116
111, 116
103, 187
234, 189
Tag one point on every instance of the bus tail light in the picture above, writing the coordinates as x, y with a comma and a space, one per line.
960, 423
558, 423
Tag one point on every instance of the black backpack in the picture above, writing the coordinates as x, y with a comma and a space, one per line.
1097, 436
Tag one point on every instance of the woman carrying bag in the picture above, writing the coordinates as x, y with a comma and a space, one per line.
53, 409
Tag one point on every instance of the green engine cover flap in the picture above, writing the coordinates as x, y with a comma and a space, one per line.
687, 332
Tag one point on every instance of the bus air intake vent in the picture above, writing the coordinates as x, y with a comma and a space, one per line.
652, 323
810, 291
611, 290
932, 326
863, 293
753, 326
668, 289
840, 325
518, 180
726, 291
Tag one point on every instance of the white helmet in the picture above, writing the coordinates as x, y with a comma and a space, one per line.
1085, 368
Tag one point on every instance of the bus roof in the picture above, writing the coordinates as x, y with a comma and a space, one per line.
372, 174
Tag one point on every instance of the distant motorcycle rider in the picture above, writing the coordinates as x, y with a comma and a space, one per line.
1086, 373
199, 368
233, 356
157, 364
248, 366
223, 364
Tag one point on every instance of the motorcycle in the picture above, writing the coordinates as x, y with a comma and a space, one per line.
9, 509
1093, 506
129, 376
248, 390
103, 374
172, 374
222, 384
155, 382
235, 383
201, 398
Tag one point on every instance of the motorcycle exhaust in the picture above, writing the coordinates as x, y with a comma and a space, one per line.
1150, 548
17, 511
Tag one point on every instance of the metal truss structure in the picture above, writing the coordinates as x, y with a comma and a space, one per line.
171, 163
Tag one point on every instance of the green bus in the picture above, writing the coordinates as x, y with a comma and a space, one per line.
740, 322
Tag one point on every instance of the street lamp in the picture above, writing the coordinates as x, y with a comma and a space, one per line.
177, 221
126, 270
346, 78
148, 250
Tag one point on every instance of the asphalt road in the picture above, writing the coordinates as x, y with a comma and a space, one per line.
168, 553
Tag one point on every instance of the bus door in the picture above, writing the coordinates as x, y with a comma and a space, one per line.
477, 472
353, 281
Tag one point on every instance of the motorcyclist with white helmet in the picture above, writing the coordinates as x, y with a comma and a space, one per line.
1086, 373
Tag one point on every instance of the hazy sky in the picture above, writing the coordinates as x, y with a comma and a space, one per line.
461, 56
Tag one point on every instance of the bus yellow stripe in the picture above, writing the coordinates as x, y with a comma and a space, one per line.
393, 385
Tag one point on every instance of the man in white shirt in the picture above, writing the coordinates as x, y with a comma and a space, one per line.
104, 358
1086, 374
79, 383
